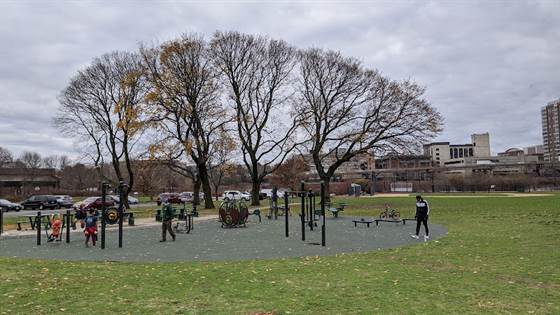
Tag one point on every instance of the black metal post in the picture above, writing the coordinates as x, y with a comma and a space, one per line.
274, 202
323, 227
67, 226
286, 213
104, 187
302, 215
309, 213
121, 200
1, 220
38, 227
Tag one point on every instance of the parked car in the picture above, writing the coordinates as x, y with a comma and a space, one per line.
131, 200
40, 202
93, 203
169, 197
236, 195
64, 201
10, 206
186, 196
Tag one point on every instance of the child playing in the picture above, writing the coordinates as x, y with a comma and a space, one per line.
91, 227
56, 225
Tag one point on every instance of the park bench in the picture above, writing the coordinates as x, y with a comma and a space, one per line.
386, 220
362, 221
20, 222
130, 216
407, 219
336, 210
256, 212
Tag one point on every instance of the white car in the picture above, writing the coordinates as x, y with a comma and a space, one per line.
236, 195
131, 200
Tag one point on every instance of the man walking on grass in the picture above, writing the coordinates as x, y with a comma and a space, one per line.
422, 213
167, 217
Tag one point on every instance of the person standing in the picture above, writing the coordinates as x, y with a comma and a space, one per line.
422, 213
167, 217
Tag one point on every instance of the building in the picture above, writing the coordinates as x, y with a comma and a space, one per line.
534, 149
550, 115
21, 182
361, 163
444, 153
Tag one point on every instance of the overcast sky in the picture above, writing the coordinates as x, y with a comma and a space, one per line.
488, 66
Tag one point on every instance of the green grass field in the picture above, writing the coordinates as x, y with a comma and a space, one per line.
501, 256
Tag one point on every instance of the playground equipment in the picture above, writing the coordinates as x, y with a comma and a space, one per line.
309, 215
112, 215
233, 213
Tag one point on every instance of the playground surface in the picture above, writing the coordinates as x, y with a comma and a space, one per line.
209, 242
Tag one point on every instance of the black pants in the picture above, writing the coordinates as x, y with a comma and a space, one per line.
422, 219
166, 226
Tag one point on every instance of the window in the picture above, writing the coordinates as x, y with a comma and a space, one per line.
470, 152
461, 152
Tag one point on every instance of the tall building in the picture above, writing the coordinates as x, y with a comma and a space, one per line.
550, 115
443, 153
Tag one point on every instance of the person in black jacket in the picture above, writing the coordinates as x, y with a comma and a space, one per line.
422, 213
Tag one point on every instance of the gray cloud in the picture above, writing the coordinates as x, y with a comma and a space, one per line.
487, 66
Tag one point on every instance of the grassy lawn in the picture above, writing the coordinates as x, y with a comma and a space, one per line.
501, 256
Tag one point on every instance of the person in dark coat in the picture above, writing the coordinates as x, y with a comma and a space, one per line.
168, 213
422, 214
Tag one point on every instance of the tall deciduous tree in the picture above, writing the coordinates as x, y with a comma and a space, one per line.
104, 102
348, 110
185, 100
256, 72
6, 157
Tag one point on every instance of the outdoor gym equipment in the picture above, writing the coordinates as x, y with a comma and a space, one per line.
66, 223
233, 213
187, 217
309, 212
112, 215
274, 210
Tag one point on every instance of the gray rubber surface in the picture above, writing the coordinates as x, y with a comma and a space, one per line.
209, 242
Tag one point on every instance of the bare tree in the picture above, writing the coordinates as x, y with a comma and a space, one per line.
256, 71
6, 157
347, 110
31, 160
185, 100
57, 162
103, 102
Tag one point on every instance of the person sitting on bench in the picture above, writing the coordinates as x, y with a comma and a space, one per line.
422, 213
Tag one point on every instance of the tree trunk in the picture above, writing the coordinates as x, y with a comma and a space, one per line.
196, 184
327, 181
205, 180
256, 187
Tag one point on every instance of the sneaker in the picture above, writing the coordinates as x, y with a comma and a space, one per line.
161, 241
414, 236
426, 238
